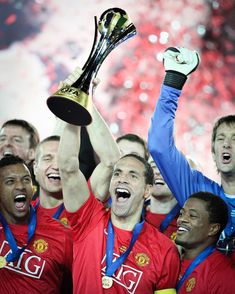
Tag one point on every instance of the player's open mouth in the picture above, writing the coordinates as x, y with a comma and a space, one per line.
7, 153
182, 230
226, 157
53, 177
20, 202
159, 181
122, 194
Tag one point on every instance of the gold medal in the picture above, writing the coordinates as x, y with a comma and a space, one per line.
107, 282
3, 261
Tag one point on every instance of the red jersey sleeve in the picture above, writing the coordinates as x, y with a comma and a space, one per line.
86, 217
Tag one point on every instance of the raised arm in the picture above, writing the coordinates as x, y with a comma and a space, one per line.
178, 63
74, 184
103, 143
108, 152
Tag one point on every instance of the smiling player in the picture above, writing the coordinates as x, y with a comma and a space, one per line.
204, 269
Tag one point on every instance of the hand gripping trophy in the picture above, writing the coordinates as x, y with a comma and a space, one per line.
72, 103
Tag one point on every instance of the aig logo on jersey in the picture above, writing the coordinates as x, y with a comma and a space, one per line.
28, 264
125, 275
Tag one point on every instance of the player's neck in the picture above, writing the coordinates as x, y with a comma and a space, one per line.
49, 201
162, 206
191, 253
11, 220
125, 223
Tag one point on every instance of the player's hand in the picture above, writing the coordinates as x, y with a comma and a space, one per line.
180, 59
75, 76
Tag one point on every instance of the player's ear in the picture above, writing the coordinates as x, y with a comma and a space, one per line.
31, 154
214, 229
147, 192
213, 156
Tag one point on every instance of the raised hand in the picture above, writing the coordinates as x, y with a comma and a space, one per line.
181, 60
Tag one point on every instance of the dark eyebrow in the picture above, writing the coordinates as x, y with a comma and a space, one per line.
14, 136
8, 177
131, 171
116, 169
190, 210
134, 172
13, 177
46, 155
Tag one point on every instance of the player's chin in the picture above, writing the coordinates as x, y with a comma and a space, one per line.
180, 241
119, 212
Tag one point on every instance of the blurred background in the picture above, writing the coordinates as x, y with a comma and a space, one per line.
41, 41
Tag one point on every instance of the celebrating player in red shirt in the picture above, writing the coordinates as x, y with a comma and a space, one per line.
115, 251
35, 255
204, 269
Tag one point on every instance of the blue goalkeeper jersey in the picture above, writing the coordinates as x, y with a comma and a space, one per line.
175, 169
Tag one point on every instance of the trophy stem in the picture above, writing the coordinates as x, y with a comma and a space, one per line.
84, 80
94, 43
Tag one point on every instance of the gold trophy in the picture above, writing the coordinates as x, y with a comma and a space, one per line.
72, 103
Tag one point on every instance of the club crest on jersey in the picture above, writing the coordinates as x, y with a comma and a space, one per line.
142, 259
190, 284
122, 249
64, 221
40, 246
173, 236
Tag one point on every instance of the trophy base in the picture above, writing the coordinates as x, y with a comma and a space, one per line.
73, 110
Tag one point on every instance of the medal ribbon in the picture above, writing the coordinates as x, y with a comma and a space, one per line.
229, 229
58, 212
199, 259
111, 267
169, 217
16, 252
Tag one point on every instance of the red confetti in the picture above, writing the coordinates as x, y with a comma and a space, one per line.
11, 19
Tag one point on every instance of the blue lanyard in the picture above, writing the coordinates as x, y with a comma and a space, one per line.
229, 229
58, 212
16, 252
169, 217
111, 267
199, 259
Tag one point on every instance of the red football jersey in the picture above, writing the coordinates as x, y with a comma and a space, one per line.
214, 275
152, 264
44, 266
51, 211
156, 219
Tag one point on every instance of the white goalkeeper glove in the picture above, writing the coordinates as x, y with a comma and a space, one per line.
179, 62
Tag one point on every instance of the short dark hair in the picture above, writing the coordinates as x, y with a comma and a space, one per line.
149, 175
11, 159
216, 207
34, 135
228, 120
47, 139
50, 138
135, 138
